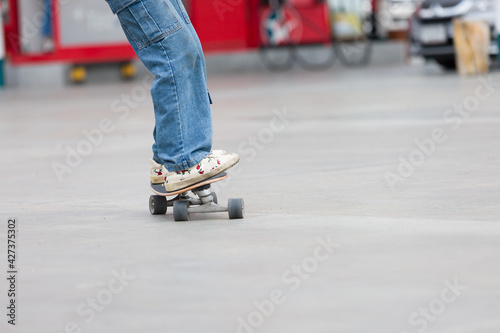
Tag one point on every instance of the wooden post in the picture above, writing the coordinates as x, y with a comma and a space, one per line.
472, 42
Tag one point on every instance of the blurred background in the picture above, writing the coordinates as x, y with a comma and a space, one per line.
71, 37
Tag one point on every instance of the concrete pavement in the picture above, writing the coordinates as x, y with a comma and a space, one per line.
372, 205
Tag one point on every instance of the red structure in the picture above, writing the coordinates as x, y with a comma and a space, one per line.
78, 54
222, 25
226, 25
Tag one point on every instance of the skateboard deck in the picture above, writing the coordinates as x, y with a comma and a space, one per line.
159, 189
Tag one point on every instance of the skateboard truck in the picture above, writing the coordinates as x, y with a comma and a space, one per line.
203, 201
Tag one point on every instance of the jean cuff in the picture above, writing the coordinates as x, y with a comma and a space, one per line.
186, 165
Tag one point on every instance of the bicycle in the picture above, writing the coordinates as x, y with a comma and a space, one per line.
290, 35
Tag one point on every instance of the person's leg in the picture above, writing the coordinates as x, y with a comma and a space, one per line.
48, 41
164, 42
181, 10
47, 20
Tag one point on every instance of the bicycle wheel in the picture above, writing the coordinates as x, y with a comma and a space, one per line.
350, 28
354, 52
280, 29
277, 58
315, 56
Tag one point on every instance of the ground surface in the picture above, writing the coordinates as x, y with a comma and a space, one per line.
417, 253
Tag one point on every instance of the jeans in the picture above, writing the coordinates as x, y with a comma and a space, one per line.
164, 39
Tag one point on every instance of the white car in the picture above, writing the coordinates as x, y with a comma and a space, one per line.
431, 27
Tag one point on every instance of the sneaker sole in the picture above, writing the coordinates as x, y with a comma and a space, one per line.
156, 179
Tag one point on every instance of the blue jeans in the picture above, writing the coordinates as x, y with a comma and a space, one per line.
164, 39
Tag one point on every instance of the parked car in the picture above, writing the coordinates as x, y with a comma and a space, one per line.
431, 27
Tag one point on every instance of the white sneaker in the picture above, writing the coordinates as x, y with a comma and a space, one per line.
156, 172
210, 166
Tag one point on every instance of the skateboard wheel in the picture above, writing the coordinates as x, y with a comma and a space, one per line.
157, 205
236, 208
214, 198
181, 210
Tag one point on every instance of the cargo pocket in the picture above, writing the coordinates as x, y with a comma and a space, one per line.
148, 21
184, 12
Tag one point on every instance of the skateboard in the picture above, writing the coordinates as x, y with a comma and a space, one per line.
203, 201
